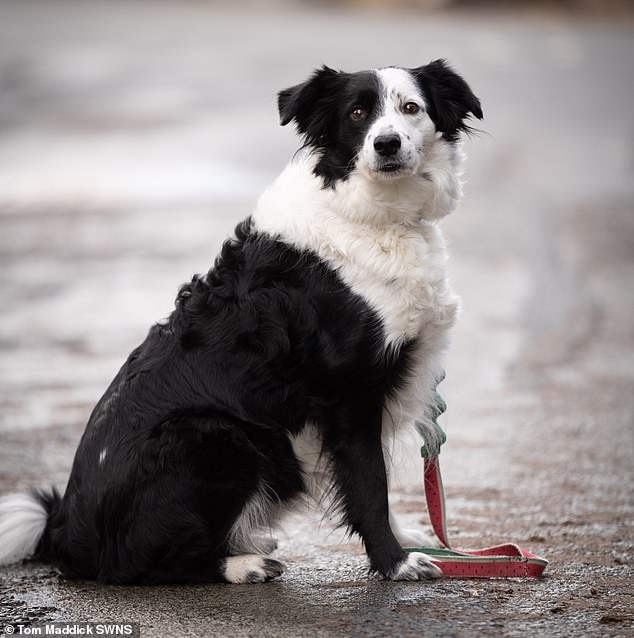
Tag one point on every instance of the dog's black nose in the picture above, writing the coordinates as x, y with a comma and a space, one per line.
387, 145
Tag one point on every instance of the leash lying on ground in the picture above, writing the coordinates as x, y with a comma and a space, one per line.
502, 561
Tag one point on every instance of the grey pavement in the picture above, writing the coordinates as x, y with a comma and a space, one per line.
134, 135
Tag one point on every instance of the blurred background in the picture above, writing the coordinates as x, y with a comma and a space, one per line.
135, 134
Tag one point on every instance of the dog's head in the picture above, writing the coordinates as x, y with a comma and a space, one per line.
380, 123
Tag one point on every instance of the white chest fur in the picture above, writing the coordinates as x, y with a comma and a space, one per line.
399, 270
384, 252
377, 238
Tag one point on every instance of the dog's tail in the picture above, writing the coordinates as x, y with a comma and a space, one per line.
24, 525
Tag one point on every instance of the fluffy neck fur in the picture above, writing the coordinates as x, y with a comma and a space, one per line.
380, 236
430, 194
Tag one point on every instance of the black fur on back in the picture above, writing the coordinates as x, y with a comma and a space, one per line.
199, 418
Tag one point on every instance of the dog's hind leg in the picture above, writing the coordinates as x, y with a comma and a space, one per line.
196, 485
251, 568
244, 569
164, 514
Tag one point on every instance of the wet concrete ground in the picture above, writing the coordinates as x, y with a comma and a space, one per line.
134, 136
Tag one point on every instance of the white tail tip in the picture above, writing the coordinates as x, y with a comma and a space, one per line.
22, 524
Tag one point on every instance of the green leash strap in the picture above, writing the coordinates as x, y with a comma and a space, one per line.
501, 561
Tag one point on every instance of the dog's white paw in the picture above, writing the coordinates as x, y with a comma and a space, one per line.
414, 538
252, 568
417, 566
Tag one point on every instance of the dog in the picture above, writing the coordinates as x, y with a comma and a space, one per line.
286, 370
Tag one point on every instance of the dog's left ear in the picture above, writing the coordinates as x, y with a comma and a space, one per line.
311, 104
450, 101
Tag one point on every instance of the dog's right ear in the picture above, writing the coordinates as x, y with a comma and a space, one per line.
311, 103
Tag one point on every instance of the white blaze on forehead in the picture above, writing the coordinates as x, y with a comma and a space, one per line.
399, 87
415, 130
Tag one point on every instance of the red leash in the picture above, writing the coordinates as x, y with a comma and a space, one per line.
502, 561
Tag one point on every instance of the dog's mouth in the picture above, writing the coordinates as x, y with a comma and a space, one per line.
390, 167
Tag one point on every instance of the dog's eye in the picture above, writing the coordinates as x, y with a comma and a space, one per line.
411, 108
358, 114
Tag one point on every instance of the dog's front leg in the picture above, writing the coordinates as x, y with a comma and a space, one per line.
361, 482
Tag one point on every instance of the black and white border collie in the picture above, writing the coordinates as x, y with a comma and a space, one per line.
285, 370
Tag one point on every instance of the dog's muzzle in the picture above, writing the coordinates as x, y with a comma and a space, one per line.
387, 148
387, 145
